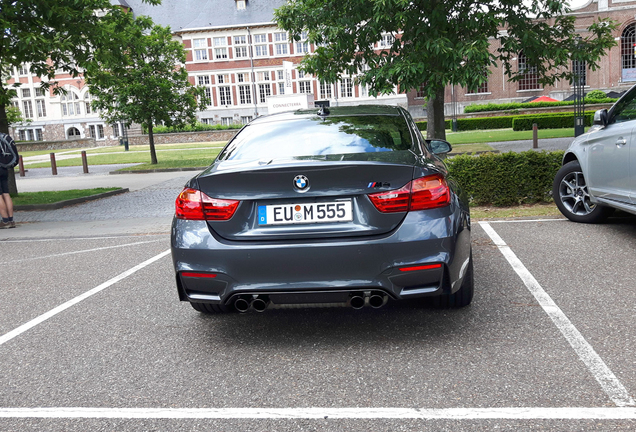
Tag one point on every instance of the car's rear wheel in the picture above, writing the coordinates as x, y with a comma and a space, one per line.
572, 198
464, 295
208, 308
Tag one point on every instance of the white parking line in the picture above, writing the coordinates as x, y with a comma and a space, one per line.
605, 377
78, 238
527, 220
80, 251
578, 413
18, 331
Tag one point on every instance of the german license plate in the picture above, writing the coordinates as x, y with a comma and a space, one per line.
284, 214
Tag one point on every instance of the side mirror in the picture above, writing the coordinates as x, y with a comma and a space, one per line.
439, 147
600, 117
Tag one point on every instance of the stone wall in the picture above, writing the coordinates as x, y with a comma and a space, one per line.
62, 144
184, 137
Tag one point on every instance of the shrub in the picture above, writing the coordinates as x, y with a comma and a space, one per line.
595, 94
197, 127
505, 179
548, 121
521, 105
421, 125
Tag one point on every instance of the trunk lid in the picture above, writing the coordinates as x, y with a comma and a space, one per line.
312, 197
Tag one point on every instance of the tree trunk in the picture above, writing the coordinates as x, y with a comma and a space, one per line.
4, 128
151, 140
436, 128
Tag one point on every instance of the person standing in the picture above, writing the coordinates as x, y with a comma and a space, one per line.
8, 160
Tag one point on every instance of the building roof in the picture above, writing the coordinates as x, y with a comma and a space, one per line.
183, 15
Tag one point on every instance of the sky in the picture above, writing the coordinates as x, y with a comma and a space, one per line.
577, 3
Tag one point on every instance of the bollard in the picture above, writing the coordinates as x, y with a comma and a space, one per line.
535, 136
84, 162
53, 164
21, 166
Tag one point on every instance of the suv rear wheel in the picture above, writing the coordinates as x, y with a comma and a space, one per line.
572, 198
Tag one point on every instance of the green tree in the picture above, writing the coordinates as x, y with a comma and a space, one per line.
14, 116
50, 35
137, 78
440, 42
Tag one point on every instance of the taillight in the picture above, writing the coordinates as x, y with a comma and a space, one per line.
420, 194
193, 204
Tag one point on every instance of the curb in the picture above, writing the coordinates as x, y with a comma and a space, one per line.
159, 170
61, 204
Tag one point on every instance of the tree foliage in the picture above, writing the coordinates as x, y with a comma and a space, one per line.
50, 35
137, 78
47, 36
440, 42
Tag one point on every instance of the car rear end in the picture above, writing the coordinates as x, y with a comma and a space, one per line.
344, 208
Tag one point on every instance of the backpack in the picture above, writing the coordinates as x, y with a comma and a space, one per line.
8, 152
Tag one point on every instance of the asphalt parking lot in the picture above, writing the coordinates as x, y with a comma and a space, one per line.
92, 336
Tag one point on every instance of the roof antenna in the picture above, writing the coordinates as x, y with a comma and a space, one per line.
323, 111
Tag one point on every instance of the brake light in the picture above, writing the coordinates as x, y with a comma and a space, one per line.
420, 194
199, 275
422, 267
192, 204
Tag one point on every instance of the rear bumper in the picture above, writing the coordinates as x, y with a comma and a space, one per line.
426, 255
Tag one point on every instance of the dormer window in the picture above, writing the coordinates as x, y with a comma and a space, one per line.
240, 4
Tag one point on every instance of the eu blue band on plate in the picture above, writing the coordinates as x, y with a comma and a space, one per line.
262, 215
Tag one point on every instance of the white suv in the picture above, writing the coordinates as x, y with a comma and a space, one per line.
599, 168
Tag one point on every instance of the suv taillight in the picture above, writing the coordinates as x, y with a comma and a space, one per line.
420, 194
193, 204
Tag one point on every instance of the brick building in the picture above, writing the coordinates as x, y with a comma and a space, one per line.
236, 51
617, 71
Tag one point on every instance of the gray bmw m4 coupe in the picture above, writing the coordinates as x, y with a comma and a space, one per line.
343, 206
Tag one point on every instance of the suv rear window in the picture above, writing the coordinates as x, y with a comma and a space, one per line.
316, 136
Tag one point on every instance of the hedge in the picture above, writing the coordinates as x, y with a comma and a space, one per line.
549, 121
198, 127
421, 125
505, 179
544, 121
522, 105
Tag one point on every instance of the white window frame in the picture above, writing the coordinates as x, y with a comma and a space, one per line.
304, 87
200, 49
225, 95
264, 91
281, 49
245, 94
40, 107
27, 110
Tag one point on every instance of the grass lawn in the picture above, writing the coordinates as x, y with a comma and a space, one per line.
168, 155
49, 197
470, 148
496, 135
526, 210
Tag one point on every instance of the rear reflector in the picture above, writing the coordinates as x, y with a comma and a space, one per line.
422, 267
420, 194
198, 275
192, 204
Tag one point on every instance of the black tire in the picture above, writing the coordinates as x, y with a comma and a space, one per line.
208, 308
464, 295
572, 198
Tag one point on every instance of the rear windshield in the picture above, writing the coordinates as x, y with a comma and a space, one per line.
311, 137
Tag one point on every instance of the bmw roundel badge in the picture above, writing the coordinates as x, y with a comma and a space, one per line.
301, 183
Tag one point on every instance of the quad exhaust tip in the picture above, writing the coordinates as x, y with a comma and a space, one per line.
375, 299
245, 303
357, 300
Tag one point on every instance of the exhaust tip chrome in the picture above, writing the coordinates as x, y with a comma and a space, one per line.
357, 302
377, 300
241, 305
260, 304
